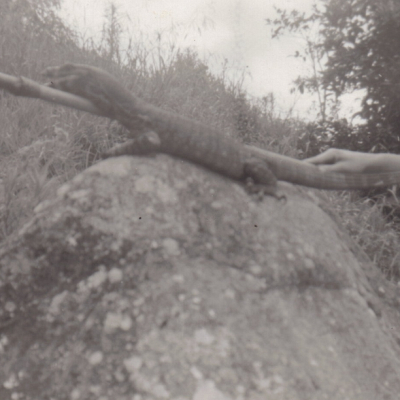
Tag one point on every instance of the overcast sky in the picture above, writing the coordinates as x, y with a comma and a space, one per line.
234, 29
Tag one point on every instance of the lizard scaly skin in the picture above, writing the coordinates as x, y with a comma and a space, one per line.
181, 137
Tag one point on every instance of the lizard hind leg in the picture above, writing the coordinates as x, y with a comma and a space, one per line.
260, 180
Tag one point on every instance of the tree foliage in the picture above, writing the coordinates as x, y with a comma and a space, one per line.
358, 47
363, 47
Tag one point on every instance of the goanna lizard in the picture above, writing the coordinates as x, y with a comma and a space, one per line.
181, 137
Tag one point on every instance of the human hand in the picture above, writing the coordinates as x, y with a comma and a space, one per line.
337, 160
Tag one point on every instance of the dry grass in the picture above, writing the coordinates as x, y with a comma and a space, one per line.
371, 227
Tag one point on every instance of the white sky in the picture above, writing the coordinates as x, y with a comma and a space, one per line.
235, 29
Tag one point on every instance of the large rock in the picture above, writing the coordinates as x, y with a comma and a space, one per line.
150, 278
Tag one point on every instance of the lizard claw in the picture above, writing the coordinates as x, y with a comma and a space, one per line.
260, 190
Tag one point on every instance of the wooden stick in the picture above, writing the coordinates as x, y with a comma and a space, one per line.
28, 88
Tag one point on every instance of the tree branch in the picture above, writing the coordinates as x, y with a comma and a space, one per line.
27, 88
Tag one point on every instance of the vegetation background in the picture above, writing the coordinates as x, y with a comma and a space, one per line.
352, 44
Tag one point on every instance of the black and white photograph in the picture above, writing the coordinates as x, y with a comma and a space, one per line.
199, 200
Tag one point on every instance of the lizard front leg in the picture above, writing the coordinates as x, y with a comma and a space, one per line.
145, 143
260, 179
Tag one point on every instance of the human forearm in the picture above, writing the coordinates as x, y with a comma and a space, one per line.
336, 160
